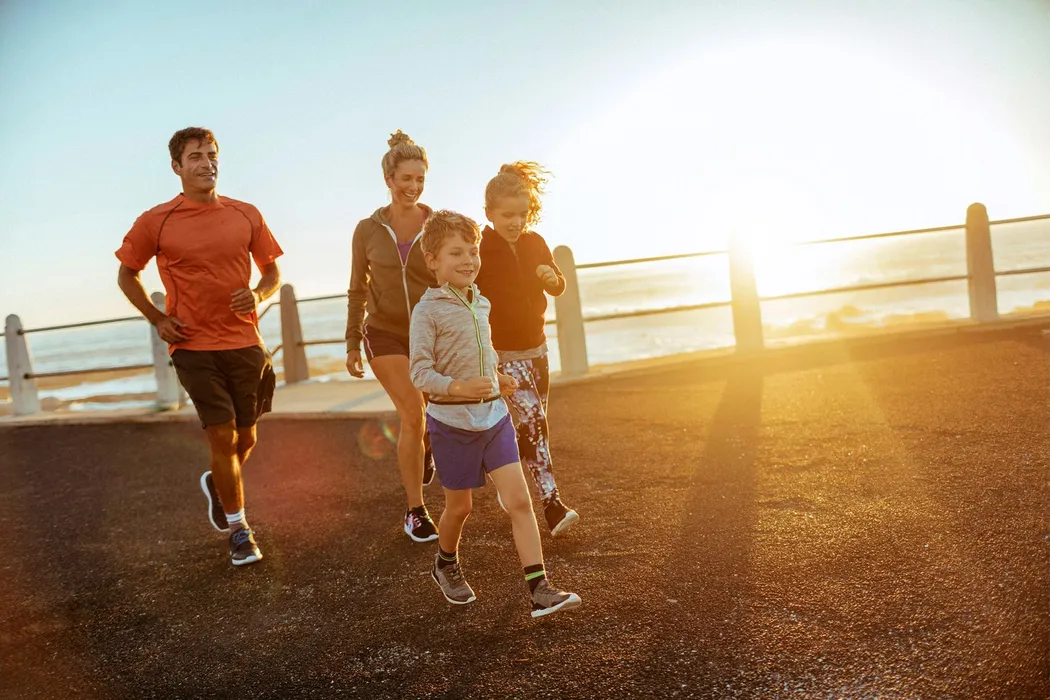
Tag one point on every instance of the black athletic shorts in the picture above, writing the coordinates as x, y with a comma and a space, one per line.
378, 343
227, 385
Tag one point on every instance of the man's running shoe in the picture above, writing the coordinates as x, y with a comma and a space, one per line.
243, 549
428, 467
420, 527
546, 600
559, 517
215, 512
452, 584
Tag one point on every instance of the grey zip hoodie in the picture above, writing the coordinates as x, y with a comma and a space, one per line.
449, 339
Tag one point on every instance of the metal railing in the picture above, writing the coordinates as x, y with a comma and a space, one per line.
744, 301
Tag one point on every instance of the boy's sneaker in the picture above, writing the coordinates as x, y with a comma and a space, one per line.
452, 584
546, 600
215, 512
428, 467
243, 549
559, 517
420, 527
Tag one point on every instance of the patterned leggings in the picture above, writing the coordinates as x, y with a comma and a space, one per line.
529, 405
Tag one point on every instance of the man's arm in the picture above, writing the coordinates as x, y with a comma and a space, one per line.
131, 284
244, 301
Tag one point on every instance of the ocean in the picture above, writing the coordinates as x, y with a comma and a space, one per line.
633, 288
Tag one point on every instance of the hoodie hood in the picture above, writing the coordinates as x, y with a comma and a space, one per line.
380, 219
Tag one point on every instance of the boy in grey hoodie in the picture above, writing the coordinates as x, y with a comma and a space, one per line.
451, 358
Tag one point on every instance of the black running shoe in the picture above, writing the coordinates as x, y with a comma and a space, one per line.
428, 467
420, 527
215, 512
559, 518
243, 549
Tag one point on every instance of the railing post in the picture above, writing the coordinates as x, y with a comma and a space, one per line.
743, 290
572, 338
19, 364
293, 353
169, 391
980, 265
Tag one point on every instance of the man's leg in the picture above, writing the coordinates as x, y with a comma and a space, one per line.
225, 465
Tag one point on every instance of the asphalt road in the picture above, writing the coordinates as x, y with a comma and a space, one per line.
854, 524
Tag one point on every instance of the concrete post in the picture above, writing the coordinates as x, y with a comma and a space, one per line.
743, 290
572, 338
980, 265
19, 364
293, 353
169, 391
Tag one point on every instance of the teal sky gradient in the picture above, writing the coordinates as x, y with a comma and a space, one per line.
662, 121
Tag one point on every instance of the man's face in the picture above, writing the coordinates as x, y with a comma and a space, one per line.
199, 166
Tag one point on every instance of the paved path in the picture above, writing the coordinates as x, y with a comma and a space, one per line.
874, 524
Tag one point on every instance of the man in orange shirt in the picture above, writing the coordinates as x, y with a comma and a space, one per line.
204, 244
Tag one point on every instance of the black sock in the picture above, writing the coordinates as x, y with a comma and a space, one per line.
446, 559
533, 575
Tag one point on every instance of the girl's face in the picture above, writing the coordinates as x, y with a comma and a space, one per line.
508, 216
406, 182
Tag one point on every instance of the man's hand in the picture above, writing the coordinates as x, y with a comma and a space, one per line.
474, 388
547, 275
244, 301
168, 330
353, 364
507, 384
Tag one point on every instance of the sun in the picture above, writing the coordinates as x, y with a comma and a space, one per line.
780, 139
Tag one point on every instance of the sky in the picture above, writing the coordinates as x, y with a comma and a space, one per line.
667, 125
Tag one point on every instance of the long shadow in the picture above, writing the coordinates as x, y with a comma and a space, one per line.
705, 576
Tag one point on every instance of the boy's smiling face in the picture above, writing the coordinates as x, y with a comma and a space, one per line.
456, 262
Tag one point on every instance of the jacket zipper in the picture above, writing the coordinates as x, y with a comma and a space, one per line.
404, 267
477, 328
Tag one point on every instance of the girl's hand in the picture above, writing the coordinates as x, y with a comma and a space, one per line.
507, 384
547, 275
473, 388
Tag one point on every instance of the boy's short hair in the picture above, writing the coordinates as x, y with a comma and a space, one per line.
442, 225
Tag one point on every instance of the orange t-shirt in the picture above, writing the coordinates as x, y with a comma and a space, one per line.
204, 253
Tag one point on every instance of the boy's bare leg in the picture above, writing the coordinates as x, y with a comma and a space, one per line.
514, 493
458, 504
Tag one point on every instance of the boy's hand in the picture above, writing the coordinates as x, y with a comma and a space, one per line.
507, 384
474, 388
547, 275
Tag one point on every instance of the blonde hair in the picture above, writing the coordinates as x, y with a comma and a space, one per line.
402, 148
523, 177
444, 224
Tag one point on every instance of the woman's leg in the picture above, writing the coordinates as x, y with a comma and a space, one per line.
392, 373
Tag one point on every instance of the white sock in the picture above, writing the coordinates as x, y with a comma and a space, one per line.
236, 520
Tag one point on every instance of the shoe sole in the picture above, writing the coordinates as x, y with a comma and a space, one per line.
251, 559
421, 540
573, 601
434, 578
211, 505
570, 519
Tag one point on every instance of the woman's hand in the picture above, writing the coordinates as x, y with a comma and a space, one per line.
353, 364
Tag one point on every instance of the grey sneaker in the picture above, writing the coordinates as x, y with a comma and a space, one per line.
546, 600
215, 512
452, 584
243, 549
